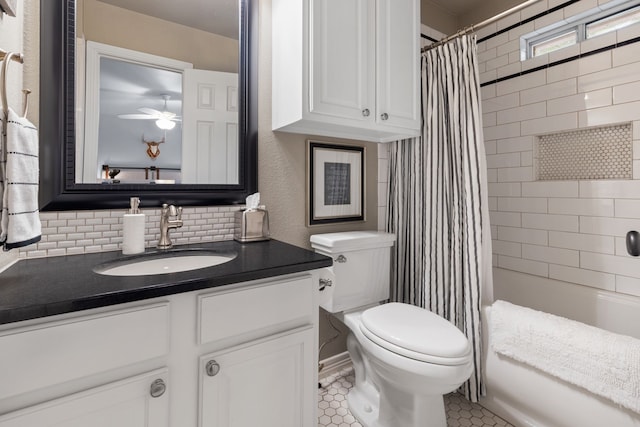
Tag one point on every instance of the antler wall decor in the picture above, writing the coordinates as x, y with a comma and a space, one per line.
153, 149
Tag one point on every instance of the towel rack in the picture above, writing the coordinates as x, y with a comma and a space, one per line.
6, 57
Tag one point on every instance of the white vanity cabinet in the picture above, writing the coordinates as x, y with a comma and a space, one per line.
236, 356
139, 401
267, 380
346, 69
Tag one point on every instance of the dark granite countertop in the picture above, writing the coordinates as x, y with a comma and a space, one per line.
42, 287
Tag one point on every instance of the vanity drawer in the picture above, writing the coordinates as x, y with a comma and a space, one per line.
51, 353
266, 308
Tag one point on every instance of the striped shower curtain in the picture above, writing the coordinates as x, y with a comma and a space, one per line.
438, 200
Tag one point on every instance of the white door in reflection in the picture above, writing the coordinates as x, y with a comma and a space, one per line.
210, 127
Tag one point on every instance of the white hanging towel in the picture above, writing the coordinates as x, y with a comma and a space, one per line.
20, 222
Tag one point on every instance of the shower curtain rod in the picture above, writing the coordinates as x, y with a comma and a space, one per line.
479, 25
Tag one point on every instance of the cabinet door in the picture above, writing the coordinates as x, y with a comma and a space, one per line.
398, 63
126, 403
268, 384
342, 81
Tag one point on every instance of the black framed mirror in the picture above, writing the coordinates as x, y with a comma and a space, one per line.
59, 189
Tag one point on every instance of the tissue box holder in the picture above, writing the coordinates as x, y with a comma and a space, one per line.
251, 225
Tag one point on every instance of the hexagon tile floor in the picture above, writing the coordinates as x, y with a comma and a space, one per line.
333, 410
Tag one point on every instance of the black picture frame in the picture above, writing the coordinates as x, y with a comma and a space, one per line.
336, 177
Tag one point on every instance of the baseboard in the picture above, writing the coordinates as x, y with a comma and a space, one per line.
334, 364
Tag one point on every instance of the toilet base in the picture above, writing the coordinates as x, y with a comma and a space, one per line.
399, 410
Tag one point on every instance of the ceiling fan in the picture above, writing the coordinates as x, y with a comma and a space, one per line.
165, 119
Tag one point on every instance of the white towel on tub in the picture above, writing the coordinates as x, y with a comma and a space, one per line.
19, 173
605, 363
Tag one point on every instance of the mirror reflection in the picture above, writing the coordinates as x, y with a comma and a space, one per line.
157, 91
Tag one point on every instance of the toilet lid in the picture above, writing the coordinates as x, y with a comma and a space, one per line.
415, 332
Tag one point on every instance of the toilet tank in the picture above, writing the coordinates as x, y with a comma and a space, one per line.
360, 274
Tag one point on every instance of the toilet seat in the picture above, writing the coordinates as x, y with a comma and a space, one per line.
416, 333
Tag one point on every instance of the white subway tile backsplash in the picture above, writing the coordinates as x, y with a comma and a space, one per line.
514, 67
535, 9
520, 30
550, 255
497, 40
503, 131
580, 276
538, 61
608, 226
510, 145
569, 230
509, 219
489, 119
594, 63
610, 264
626, 93
493, 203
505, 189
499, 103
610, 189
520, 174
628, 285
582, 242
595, 43
526, 158
579, 102
523, 235
626, 54
519, 204
506, 248
590, 207
527, 81
526, 112
554, 19
71, 232
523, 265
496, 63
503, 160
627, 33
627, 208
576, 9
490, 147
550, 124
567, 52
607, 115
550, 222
608, 78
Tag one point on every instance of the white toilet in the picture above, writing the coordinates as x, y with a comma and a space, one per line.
405, 357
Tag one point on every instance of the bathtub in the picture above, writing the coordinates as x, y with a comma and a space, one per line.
526, 396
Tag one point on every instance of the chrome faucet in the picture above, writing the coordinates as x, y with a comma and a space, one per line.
166, 223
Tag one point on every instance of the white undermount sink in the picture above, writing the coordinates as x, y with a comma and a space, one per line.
172, 261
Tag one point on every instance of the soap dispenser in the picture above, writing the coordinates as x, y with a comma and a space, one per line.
133, 226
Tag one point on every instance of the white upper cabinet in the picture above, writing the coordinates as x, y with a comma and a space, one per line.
346, 68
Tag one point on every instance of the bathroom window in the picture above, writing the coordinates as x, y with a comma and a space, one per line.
588, 26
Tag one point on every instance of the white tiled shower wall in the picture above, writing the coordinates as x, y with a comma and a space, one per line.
77, 232
572, 231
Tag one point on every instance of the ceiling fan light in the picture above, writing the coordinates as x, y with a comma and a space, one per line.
165, 124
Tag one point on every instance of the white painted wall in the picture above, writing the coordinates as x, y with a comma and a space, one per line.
571, 231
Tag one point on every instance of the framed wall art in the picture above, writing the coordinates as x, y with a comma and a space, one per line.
336, 183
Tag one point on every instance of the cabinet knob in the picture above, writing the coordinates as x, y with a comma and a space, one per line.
158, 387
366, 112
212, 368
384, 116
